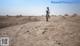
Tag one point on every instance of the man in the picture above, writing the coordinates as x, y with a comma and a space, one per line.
47, 14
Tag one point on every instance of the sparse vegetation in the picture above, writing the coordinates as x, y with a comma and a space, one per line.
20, 15
74, 15
66, 15
7, 15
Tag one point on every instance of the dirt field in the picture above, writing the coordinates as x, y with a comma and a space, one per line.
35, 31
6, 21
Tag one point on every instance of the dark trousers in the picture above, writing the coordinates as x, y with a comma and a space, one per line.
47, 17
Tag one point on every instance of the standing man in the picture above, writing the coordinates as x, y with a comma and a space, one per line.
47, 14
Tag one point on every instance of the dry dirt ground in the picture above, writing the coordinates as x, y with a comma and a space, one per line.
35, 31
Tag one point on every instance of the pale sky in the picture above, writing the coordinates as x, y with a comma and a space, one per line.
37, 7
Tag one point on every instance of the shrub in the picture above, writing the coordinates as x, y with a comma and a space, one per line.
74, 15
66, 15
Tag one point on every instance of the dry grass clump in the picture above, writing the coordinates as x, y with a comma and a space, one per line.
74, 15
18, 16
7, 15
66, 15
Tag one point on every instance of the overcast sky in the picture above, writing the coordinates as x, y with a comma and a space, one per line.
38, 7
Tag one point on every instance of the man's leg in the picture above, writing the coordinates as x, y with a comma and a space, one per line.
46, 17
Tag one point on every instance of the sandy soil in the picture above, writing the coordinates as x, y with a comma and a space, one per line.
59, 31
